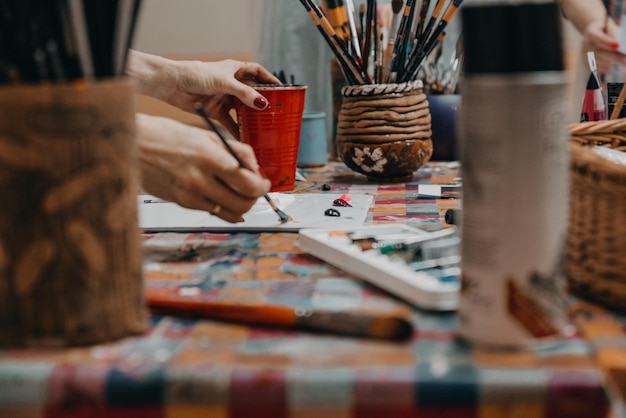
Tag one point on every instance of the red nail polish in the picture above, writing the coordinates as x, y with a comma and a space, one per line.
260, 103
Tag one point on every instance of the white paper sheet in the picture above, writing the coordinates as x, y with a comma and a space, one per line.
307, 211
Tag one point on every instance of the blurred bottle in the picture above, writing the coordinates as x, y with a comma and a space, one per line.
514, 157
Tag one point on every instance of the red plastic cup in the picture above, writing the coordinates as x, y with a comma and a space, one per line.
274, 133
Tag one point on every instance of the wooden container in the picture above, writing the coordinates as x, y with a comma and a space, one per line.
595, 259
70, 255
384, 130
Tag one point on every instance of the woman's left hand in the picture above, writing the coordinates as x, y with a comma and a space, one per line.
213, 84
216, 85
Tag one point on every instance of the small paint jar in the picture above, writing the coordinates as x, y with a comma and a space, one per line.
313, 150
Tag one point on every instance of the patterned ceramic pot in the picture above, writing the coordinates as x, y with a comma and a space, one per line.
384, 130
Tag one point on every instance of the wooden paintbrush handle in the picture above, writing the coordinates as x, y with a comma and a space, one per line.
619, 103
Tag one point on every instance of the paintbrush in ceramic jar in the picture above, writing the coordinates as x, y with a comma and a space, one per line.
396, 8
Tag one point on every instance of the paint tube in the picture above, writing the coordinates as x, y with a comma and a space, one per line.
594, 107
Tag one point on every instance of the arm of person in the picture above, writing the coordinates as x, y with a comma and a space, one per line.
583, 13
600, 34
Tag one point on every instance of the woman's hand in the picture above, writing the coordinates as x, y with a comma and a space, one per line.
602, 39
213, 84
190, 166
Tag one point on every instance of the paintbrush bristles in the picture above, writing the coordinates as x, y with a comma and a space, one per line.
348, 64
396, 6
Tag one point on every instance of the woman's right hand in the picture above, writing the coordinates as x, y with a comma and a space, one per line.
190, 166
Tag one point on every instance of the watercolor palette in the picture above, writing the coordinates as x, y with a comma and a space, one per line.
435, 288
306, 209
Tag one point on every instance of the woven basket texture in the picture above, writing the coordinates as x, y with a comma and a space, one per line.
595, 261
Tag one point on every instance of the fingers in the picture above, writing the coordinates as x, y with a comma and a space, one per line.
249, 96
191, 166
195, 201
246, 154
211, 82
224, 181
245, 181
229, 123
226, 201
220, 108
599, 39
252, 72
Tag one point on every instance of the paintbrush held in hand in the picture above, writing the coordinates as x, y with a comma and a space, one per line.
413, 36
284, 218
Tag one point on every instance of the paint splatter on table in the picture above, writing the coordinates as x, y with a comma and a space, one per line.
184, 368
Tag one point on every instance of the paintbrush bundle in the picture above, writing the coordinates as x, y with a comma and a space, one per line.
283, 78
440, 72
64, 40
367, 55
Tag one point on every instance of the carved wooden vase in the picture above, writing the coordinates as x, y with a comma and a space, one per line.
70, 254
384, 130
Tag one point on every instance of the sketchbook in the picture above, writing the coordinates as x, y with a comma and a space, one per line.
307, 211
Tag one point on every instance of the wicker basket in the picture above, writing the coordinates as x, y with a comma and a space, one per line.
595, 261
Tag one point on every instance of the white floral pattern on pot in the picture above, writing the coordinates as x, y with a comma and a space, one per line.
370, 161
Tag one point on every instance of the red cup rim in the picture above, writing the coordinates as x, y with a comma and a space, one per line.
262, 87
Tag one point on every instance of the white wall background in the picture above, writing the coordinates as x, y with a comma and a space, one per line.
218, 29
214, 27
199, 27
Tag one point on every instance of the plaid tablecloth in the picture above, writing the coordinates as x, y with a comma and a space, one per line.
191, 368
